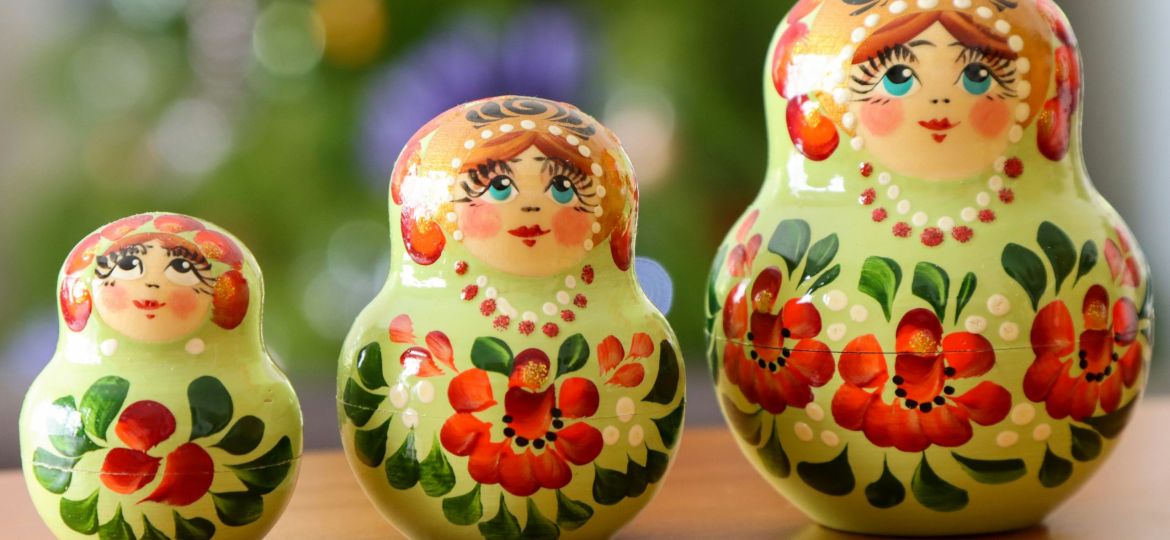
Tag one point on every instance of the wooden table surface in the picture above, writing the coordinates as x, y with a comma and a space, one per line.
712, 492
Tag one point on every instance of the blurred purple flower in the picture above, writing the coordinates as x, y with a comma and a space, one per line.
540, 52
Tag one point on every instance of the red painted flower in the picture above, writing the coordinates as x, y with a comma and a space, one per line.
611, 353
1122, 263
438, 347
785, 361
925, 409
739, 261
541, 436
141, 427
1108, 356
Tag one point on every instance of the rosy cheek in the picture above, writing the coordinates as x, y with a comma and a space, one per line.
882, 119
114, 298
479, 220
991, 117
183, 302
570, 226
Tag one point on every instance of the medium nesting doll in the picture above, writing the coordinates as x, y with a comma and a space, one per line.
161, 415
929, 322
511, 379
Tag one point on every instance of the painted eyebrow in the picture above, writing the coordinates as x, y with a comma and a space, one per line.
921, 42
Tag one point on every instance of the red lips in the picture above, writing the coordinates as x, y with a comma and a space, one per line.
148, 304
939, 124
529, 233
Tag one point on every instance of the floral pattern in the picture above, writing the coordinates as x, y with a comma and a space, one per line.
611, 354
420, 360
142, 426
1123, 265
925, 410
739, 261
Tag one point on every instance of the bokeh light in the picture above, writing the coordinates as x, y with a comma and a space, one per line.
193, 137
354, 30
289, 38
643, 118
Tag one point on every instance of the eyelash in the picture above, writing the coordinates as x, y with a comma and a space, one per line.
199, 263
478, 174
876, 67
1001, 68
110, 261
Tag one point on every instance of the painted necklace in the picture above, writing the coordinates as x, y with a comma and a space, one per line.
502, 313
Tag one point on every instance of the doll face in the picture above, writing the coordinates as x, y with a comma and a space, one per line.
152, 293
934, 108
531, 215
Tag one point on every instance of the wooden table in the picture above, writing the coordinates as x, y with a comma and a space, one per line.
712, 492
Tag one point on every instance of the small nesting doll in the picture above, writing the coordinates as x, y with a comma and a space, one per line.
511, 379
929, 322
161, 415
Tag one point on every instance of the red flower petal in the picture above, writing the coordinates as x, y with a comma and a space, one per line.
746, 226
126, 471
737, 265
187, 477
621, 246
765, 289
1054, 129
420, 357
1085, 397
863, 364
812, 361
579, 443
735, 312
766, 335
1131, 276
484, 463
813, 134
802, 9
1096, 308
945, 428
850, 405
76, 305
82, 255
579, 398
1131, 364
460, 433
440, 347
919, 332
1125, 321
174, 224
1052, 330
775, 391
1097, 348
610, 353
988, 403
516, 474
402, 329
531, 412
530, 369
629, 376
801, 318
470, 391
422, 237
1060, 397
124, 226
782, 56
970, 354
906, 429
923, 376
878, 419
641, 346
1111, 393
551, 471
1042, 374
145, 424
733, 358
1114, 258
218, 246
231, 304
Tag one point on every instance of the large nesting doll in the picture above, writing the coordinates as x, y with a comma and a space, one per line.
929, 321
161, 415
511, 379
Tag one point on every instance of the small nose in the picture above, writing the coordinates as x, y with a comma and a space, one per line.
944, 100
152, 285
530, 209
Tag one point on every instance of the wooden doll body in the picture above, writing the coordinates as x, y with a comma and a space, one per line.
161, 414
929, 322
511, 378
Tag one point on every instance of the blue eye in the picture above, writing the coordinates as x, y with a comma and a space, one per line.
561, 189
900, 81
501, 188
976, 79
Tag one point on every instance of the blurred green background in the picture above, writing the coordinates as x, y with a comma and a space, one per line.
280, 120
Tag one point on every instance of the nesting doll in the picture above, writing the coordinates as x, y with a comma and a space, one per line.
928, 322
511, 379
161, 415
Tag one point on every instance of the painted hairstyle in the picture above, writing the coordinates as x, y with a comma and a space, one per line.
230, 290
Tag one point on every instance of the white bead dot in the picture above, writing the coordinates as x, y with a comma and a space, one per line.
872, 20
815, 412
1024, 89
486, 134
999, 305
1009, 331
595, 227
803, 431
584, 150
995, 183
1023, 111
975, 324
946, 223
893, 192
858, 313
527, 124
600, 191
457, 235
597, 170
399, 395
927, 4
555, 130
835, 300
1016, 43
482, 281
1000, 164
903, 207
455, 163
610, 435
452, 217
573, 140
108, 347
598, 211
858, 35
837, 331
897, 7
528, 316
588, 244
1007, 439
506, 128
195, 346
636, 435
1023, 414
885, 178
962, 4
857, 143
425, 391
1023, 65
983, 198
984, 12
1042, 432
969, 214
491, 293
571, 282
1003, 26
849, 120
469, 144
562, 297
830, 439
625, 409
409, 418
920, 219
549, 308
1016, 134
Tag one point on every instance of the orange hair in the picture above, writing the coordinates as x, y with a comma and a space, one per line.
508, 146
961, 25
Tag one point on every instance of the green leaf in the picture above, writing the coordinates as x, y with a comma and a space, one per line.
67, 430
880, 279
1086, 443
1059, 249
435, 473
265, 473
1055, 470
211, 406
1110, 425
999, 471
887, 491
369, 366
669, 425
572, 355
774, 458
934, 492
492, 354
833, 477
571, 514
81, 516
238, 508
359, 404
712, 353
609, 486
243, 437
101, 403
53, 472
150, 532
825, 279
636, 479
1024, 266
402, 468
656, 465
370, 444
931, 283
819, 256
666, 382
966, 291
502, 527
790, 241
464, 509
116, 528
748, 426
195, 528
1087, 260
539, 526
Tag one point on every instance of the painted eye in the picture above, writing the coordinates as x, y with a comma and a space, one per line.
900, 81
502, 189
127, 269
976, 79
561, 190
182, 272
